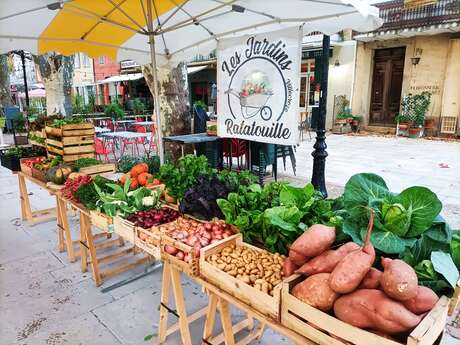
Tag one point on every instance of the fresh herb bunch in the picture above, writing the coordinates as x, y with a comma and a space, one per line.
182, 176
276, 214
87, 193
58, 123
234, 179
36, 138
24, 152
86, 162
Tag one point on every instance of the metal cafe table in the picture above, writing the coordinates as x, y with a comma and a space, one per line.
197, 138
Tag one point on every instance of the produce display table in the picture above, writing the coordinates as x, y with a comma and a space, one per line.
89, 247
33, 217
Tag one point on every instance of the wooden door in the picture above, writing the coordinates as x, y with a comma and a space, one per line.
387, 80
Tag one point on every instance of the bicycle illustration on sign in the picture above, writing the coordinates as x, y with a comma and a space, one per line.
254, 95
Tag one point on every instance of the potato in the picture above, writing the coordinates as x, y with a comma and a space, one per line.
424, 301
352, 269
399, 280
288, 267
312, 242
316, 292
371, 280
370, 308
326, 261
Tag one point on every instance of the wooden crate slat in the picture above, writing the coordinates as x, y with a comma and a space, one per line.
99, 169
300, 317
53, 149
54, 142
78, 132
78, 126
71, 158
70, 150
79, 139
124, 229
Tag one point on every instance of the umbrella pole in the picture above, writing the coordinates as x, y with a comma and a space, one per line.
156, 98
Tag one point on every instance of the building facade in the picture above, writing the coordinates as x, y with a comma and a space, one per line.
104, 67
417, 49
83, 76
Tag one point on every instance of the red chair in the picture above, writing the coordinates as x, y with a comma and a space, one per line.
134, 143
109, 125
153, 140
234, 148
101, 149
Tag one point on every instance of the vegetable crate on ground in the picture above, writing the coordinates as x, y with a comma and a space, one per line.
99, 169
264, 303
323, 328
72, 141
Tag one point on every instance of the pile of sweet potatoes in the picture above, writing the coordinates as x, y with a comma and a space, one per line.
344, 282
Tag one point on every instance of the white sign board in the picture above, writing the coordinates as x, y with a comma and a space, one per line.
258, 87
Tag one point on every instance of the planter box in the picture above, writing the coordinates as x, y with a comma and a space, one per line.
102, 221
71, 141
259, 300
10, 162
300, 317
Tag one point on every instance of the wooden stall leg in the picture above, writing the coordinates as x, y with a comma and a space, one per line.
210, 317
61, 240
180, 306
163, 324
250, 321
83, 244
66, 229
25, 202
92, 250
226, 319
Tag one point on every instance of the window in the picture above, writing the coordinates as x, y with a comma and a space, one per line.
101, 60
86, 62
309, 88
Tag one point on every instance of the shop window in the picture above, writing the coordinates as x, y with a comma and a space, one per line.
309, 88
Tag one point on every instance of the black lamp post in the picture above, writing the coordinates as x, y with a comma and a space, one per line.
319, 154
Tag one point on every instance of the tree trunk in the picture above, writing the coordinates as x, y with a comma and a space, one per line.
174, 102
5, 96
56, 72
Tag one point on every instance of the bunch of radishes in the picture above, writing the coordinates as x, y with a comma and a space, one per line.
196, 235
153, 217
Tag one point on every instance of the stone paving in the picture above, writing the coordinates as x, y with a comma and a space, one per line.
45, 300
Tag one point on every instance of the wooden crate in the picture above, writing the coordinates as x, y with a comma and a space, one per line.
300, 317
161, 187
124, 229
39, 174
71, 141
267, 305
191, 268
99, 169
102, 221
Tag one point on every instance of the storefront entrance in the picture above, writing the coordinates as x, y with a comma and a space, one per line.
386, 86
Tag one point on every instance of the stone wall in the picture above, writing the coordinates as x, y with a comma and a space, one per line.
433, 73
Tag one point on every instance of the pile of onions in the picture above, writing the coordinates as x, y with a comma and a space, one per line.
196, 235
153, 217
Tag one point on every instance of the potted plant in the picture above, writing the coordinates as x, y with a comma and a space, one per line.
114, 111
10, 158
403, 121
344, 116
420, 103
138, 107
356, 120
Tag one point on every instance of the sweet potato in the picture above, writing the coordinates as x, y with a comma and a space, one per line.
371, 280
311, 243
326, 261
351, 270
370, 308
315, 291
288, 267
399, 280
424, 301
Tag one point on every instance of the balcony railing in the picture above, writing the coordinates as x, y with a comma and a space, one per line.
396, 16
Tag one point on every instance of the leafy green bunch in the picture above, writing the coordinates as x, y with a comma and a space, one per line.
182, 176
406, 225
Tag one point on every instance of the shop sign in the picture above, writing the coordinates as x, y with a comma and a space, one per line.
258, 87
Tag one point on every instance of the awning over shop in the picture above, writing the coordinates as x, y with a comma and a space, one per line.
118, 78
194, 69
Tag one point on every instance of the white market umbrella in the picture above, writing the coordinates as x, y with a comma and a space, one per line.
175, 30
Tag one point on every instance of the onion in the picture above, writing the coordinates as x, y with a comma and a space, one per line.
204, 241
180, 255
208, 226
171, 250
196, 249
